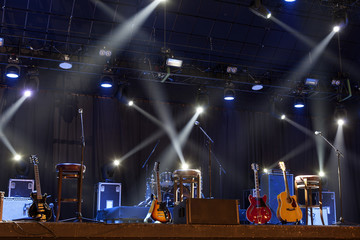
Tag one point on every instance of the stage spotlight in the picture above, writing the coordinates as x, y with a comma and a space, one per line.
232, 70
106, 81
290, 0
108, 171
12, 71
257, 86
340, 20
299, 102
340, 114
202, 97
172, 62
340, 122
283, 117
130, 103
17, 157
66, 64
229, 91
265, 170
184, 166
27, 93
200, 109
104, 52
313, 82
321, 174
259, 9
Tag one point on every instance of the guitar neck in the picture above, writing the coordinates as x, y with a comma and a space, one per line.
286, 184
158, 187
37, 182
256, 180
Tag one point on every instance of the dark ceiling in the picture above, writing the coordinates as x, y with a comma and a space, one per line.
208, 35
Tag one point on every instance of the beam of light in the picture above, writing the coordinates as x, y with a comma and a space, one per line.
301, 128
5, 118
120, 36
304, 66
295, 33
108, 10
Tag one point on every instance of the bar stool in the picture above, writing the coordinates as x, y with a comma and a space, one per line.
308, 183
181, 176
68, 171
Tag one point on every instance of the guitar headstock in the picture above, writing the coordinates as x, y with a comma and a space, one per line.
156, 166
282, 166
255, 167
34, 159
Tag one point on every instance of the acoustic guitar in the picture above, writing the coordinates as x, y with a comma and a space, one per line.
158, 210
39, 209
288, 209
258, 212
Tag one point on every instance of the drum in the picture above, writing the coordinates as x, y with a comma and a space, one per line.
166, 179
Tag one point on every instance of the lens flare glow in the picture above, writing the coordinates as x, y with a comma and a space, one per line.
131, 103
184, 166
17, 157
340, 122
199, 109
283, 117
27, 93
321, 174
116, 162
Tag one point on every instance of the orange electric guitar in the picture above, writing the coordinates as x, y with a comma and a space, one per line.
158, 210
288, 209
258, 212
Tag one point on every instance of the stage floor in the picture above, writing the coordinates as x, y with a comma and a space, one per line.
66, 230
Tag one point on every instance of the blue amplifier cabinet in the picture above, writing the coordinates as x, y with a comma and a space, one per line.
16, 207
273, 184
108, 195
21, 187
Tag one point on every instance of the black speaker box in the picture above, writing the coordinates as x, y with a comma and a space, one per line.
272, 184
328, 199
207, 211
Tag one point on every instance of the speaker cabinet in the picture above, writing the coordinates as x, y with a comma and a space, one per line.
207, 211
108, 195
328, 199
272, 184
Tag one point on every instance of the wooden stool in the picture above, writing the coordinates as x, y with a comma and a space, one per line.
182, 176
308, 183
68, 171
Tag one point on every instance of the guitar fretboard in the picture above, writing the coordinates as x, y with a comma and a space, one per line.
37, 182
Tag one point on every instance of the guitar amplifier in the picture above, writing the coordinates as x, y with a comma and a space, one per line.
273, 184
21, 187
16, 208
206, 211
108, 195
328, 199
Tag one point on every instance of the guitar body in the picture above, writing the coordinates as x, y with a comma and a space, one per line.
258, 212
39, 210
160, 212
288, 209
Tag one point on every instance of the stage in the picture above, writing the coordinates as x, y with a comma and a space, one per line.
61, 230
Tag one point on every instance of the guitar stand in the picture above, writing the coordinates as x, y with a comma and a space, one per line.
79, 218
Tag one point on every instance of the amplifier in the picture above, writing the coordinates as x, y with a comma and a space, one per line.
16, 207
21, 187
108, 195
207, 211
273, 184
328, 199
315, 216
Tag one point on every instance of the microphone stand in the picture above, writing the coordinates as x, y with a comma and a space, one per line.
210, 142
339, 154
147, 198
81, 164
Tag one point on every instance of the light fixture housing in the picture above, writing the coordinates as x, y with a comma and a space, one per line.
311, 82
340, 114
12, 71
229, 91
172, 62
257, 86
202, 97
340, 20
259, 9
106, 81
66, 64
299, 102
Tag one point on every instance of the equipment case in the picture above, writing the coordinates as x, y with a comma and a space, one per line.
20, 187
108, 195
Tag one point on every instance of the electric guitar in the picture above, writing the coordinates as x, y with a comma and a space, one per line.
258, 212
39, 210
288, 209
158, 210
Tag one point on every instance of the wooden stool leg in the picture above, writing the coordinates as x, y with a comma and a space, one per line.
60, 177
311, 207
320, 203
78, 194
198, 187
192, 188
306, 202
181, 190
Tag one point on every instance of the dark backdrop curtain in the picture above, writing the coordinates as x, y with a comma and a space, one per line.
49, 125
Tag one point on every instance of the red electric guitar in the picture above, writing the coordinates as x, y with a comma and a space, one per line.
158, 210
258, 212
